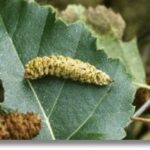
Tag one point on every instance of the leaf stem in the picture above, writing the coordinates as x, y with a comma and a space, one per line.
140, 111
147, 120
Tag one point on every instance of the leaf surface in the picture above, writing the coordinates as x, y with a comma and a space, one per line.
69, 110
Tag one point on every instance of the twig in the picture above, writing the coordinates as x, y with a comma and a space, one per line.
140, 110
147, 120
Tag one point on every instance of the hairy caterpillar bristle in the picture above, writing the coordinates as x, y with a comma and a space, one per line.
19, 126
66, 67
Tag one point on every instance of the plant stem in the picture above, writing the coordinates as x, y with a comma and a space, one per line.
140, 111
147, 120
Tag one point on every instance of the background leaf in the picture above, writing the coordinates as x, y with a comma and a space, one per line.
69, 110
128, 53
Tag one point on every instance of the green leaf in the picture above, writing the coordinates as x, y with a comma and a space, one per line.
128, 53
69, 110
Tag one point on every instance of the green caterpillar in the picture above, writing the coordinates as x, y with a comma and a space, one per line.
66, 67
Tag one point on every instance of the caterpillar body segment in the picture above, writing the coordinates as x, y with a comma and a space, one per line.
66, 67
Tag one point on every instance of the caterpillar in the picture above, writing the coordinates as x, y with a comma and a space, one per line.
66, 67
15, 125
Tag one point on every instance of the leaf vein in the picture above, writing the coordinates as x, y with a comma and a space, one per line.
90, 115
